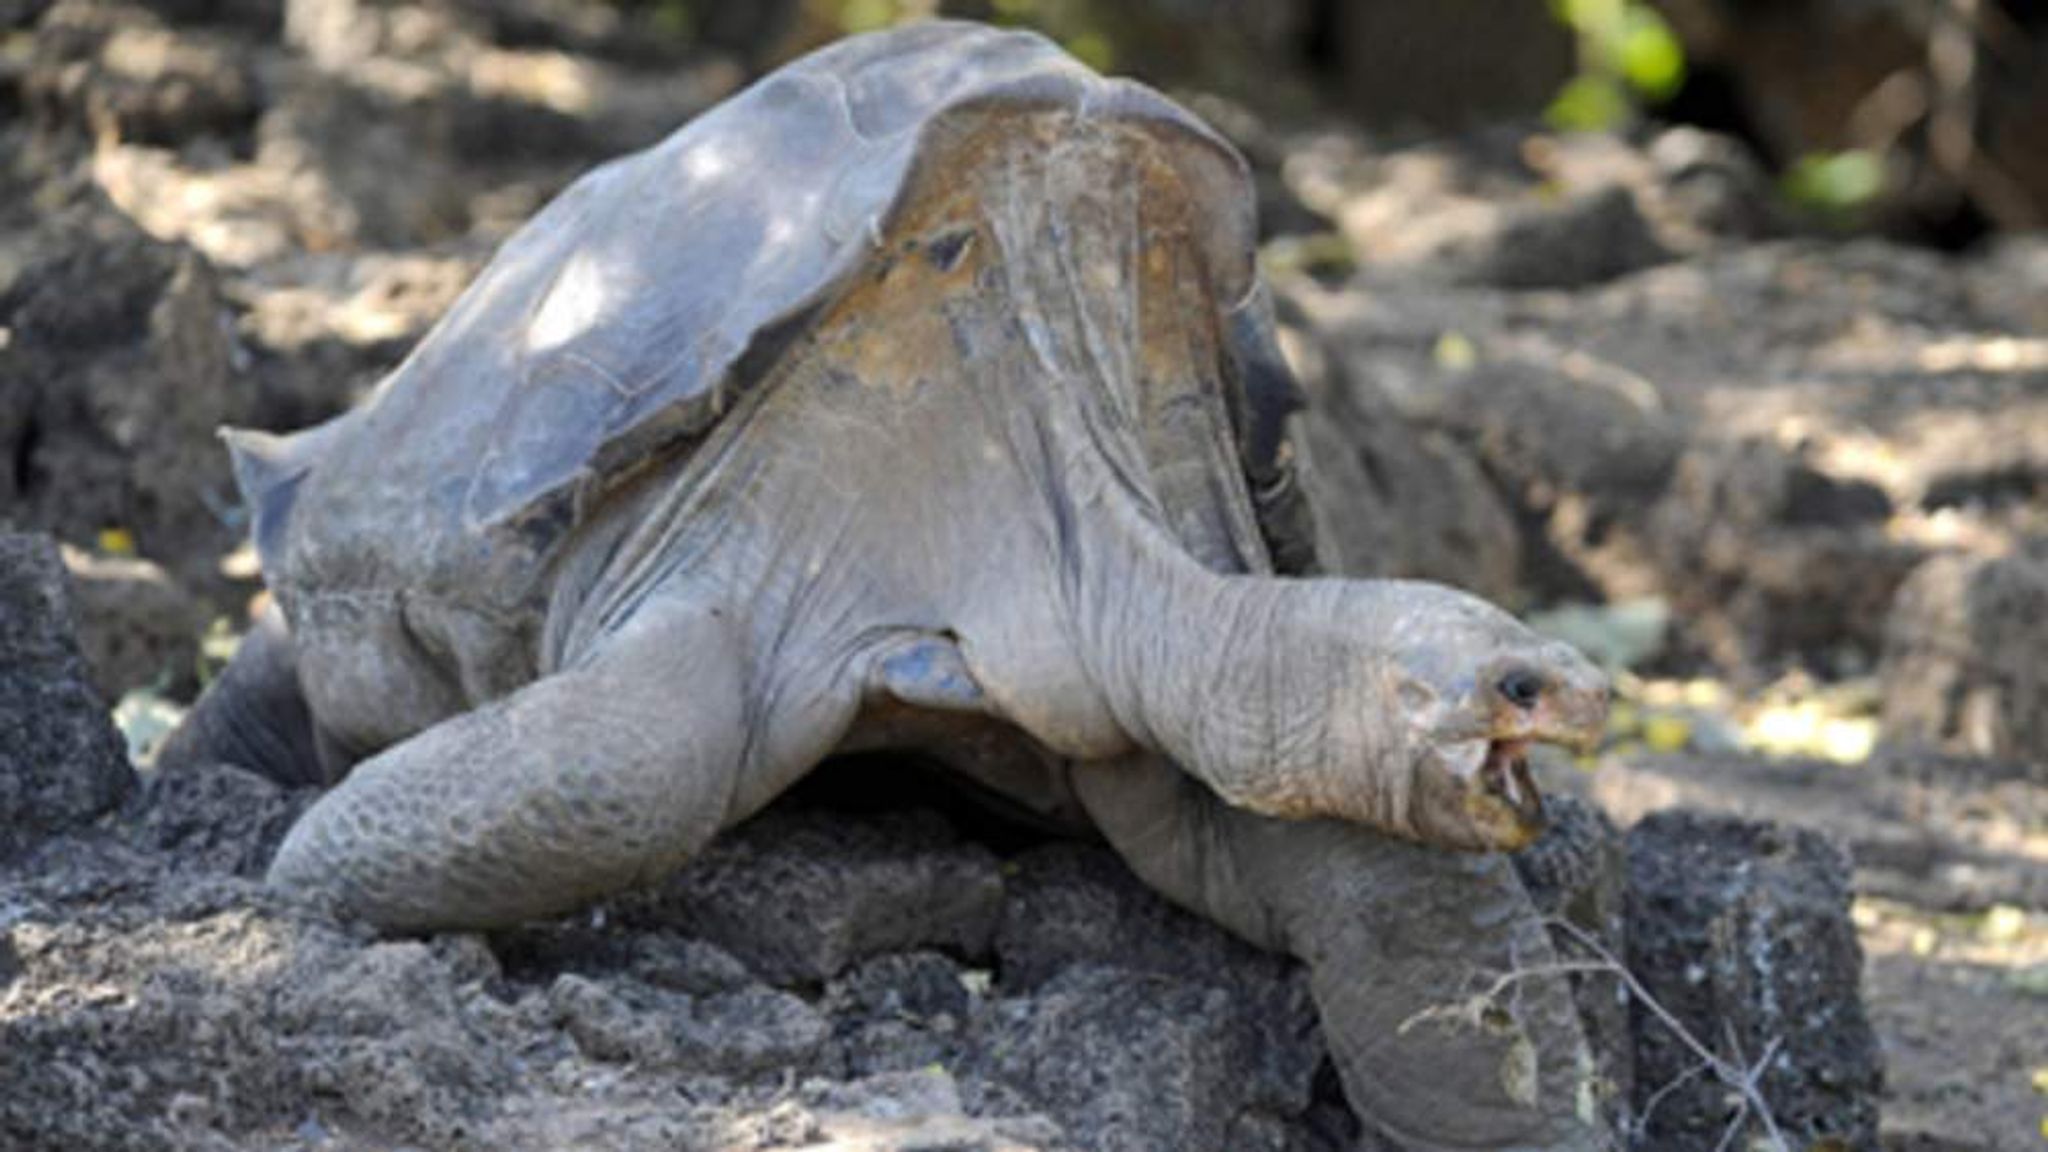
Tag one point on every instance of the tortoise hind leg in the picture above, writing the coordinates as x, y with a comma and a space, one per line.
254, 715
611, 771
1398, 939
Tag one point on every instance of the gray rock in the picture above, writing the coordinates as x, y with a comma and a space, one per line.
899, 1013
1073, 904
1576, 870
2008, 283
1229, 1045
1715, 184
1452, 442
61, 761
135, 79
215, 817
1391, 498
137, 625
1577, 873
750, 1031
1141, 1062
921, 1111
184, 1047
1923, 829
689, 966
1588, 240
1962, 658
222, 1018
799, 896
1548, 434
912, 985
1764, 554
1741, 930
388, 1034
106, 323
746, 1032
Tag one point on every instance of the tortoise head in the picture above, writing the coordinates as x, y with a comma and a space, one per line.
1472, 689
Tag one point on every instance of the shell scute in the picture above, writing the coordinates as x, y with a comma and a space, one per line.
687, 254
631, 313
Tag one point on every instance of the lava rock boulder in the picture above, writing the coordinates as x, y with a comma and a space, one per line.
1962, 658
1741, 931
61, 762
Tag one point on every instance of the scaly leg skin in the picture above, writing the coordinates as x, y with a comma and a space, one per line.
253, 715
609, 772
1399, 939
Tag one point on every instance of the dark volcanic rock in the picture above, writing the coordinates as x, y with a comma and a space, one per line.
186, 1048
146, 1004
1078, 904
899, 1013
138, 626
215, 1010
116, 72
1391, 498
748, 1031
1230, 1040
1923, 829
1741, 929
120, 369
1577, 873
1142, 1062
216, 817
1766, 555
800, 896
1586, 241
1963, 664
1576, 870
61, 761
1548, 432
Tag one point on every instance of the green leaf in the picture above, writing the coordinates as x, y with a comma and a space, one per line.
1650, 56
1589, 103
1455, 352
1595, 18
1092, 49
1836, 182
867, 15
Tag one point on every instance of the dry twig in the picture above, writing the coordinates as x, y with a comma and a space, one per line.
1735, 1072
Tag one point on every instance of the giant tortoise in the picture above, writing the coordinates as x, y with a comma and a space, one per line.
923, 395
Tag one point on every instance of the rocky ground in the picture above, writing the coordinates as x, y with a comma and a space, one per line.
874, 976
1604, 380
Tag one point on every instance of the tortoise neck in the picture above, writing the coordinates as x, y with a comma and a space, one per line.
1258, 685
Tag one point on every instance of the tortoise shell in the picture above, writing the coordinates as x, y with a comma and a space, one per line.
627, 317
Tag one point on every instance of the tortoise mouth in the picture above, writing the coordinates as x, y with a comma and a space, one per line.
1504, 775
1495, 772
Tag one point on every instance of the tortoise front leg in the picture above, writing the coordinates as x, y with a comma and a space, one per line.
1398, 938
254, 714
612, 771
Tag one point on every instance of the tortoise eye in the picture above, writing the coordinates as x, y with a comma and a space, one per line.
945, 250
1521, 687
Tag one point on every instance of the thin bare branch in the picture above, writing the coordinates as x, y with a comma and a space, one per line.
1737, 1074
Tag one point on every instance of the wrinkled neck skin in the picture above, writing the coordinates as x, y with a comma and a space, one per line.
1250, 682
1083, 619
1022, 446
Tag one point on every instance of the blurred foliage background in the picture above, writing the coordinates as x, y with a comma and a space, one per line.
1922, 118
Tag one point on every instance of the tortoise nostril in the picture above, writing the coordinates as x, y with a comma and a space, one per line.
1521, 687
